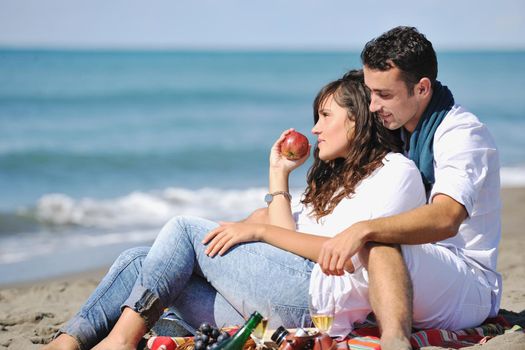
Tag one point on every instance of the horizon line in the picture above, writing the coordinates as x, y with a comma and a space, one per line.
230, 49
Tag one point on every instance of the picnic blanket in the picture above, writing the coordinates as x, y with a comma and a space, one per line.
366, 336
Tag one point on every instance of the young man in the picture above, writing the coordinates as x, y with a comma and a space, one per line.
446, 249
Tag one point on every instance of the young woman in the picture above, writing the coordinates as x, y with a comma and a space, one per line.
210, 272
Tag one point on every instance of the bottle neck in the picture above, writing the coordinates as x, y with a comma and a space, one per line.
252, 322
237, 341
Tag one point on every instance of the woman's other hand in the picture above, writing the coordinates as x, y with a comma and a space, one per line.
279, 162
228, 234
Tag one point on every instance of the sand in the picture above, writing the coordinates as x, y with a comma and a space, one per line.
31, 313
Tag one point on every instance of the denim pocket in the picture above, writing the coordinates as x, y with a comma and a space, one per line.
291, 316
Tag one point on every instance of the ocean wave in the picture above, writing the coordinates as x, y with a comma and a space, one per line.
61, 224
17, 249
148, 209
65, 225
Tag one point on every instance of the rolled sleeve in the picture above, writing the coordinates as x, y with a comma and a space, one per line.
462, 149
453, 183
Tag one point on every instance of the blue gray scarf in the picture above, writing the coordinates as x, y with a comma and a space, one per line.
421, 149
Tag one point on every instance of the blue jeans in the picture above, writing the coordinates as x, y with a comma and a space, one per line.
175, 272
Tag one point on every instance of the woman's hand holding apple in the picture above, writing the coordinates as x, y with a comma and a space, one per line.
289, 151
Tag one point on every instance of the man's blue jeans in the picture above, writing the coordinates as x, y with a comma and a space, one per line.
175, 272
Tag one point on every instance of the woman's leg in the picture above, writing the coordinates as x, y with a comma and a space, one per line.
199, 302
164, 274
249, 275
100, 312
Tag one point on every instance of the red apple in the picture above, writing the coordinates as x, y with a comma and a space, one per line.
161, 343
294, 146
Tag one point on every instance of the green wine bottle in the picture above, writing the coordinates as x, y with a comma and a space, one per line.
237, 341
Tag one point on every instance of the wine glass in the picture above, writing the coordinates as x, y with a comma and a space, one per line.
259, 332
322, 310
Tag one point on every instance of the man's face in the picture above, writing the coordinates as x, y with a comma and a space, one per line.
391, 100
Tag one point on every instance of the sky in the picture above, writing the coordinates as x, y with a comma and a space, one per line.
256, 24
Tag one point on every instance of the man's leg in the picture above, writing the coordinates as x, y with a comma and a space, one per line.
390, 294
449, 293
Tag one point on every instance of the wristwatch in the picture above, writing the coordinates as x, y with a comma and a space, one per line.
269, 196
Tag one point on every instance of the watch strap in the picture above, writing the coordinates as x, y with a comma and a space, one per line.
269, 196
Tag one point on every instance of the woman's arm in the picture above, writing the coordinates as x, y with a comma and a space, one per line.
227, 235
279, 210
258, 216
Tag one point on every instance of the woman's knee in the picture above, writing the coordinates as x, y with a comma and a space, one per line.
188, 229
132, 256
173, 228
179, 224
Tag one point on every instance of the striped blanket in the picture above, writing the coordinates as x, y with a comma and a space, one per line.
366, 337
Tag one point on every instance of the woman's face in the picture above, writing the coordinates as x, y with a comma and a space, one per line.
334, 130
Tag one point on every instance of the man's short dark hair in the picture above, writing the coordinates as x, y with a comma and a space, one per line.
405, 48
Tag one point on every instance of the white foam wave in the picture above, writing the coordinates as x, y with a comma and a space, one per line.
513, 176
21, 248
152, 209
128, 220
148, 209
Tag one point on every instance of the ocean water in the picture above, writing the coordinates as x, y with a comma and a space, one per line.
99, 149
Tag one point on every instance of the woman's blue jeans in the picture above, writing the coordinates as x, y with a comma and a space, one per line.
175, 272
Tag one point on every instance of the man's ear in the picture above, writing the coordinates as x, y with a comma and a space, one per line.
424, 87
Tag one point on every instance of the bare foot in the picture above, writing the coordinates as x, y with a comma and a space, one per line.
126, 334
62, 342
113, 344
395, 344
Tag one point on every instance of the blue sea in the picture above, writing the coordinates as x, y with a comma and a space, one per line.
99, 149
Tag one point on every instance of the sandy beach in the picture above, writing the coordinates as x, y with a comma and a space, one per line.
31, 313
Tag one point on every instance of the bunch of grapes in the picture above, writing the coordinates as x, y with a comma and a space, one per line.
208, 337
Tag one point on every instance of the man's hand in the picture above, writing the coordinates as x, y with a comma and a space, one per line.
429, 223
228, 234
336, 252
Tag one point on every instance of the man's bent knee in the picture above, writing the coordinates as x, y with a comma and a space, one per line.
378, 250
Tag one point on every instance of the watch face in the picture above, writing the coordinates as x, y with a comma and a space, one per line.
268, 198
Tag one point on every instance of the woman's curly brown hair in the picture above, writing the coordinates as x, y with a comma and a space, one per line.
329, 182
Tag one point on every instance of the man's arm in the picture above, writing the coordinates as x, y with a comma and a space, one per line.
427, 224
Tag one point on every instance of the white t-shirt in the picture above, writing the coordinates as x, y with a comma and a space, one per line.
391, 189
466, 168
